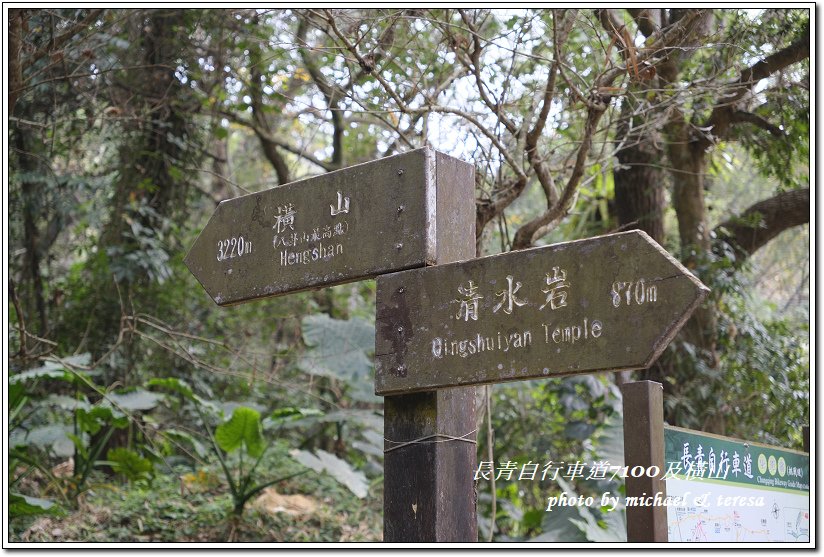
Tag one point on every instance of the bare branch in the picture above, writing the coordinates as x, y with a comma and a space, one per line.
741, 116
541, 170
526, 235
261, 132
722, 114
64, 37
763, 221
259, 116
15, 52
332, 94
647, 19
475, 57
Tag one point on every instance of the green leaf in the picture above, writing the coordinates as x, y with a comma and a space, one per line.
243, 428
579, 430
49, 370
79, 444
557, 526
341, 350
53, 370
91, 421
339, 469
578, 523
184, 437
134, 400
532, 519
172, 384
608, 444
67, 403
23, 505
178, 386
282, 416
130, 464
17, 395
54, 438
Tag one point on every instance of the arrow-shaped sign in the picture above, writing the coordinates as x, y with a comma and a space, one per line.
610, 303
373, 218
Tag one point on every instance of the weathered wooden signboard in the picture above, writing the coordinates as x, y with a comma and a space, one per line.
348, 225
609, 303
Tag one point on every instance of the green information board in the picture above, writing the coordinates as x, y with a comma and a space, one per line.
727, 490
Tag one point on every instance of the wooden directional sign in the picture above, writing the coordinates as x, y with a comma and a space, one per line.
609, 303
352, 224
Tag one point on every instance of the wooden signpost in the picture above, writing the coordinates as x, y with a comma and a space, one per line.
443, 318
609, 303
344, 226
644, 448
400, 212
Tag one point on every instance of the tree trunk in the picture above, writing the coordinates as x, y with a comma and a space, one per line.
639, 180
151, 184
639, 184
688, 161
32, 194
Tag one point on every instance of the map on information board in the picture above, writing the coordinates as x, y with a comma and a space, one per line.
733, 491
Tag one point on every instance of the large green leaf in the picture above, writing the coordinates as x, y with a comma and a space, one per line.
243, 428
341, 350
557, 526
23, 505
67, 403
578, 523
339, 469
608, 444
53, 370
284, 417
183, 437
180, 387
137, 399
130, 464
91, 421
172, 384
54, 438
49, 370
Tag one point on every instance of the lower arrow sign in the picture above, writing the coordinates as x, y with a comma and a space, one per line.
610, 303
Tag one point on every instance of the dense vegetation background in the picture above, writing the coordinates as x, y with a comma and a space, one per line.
139, 410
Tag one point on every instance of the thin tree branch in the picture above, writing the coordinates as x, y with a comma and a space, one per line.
260, 132
526, 235
763, 221
259, 117
331, 93
475, 58
741, 116
721, 117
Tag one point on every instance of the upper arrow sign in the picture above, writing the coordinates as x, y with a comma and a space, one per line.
609, 303
352, 224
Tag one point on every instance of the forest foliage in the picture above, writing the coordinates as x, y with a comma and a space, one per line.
127, 126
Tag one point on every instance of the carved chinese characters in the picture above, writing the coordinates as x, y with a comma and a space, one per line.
608, 303
306, 246
343, 226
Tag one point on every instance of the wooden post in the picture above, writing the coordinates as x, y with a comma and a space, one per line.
805, 432
644, 446
429, 488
